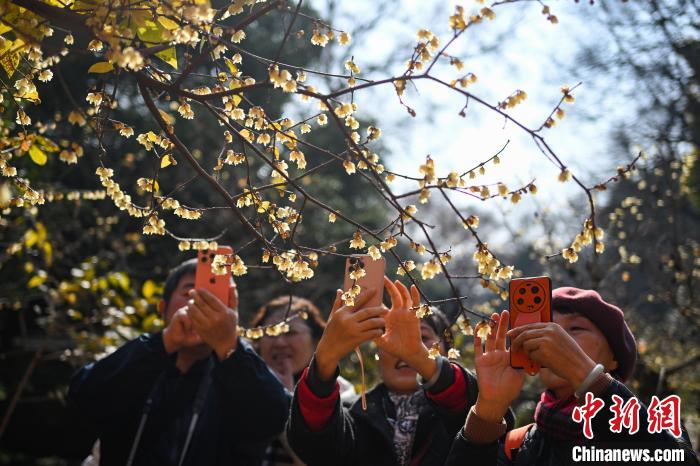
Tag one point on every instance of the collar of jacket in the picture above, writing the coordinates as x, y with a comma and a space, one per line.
379, 405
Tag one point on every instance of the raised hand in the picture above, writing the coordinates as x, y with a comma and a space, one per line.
347, 328
499, 384
548, 344
180, 333
213, 321
402, 337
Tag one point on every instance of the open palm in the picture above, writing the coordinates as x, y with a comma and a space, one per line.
497, 380
402, 336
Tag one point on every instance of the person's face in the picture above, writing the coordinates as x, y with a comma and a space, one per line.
589, 338
179, 297
397, 375
294, 348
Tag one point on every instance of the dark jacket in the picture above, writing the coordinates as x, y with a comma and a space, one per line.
245, 405
354, 437
538, 449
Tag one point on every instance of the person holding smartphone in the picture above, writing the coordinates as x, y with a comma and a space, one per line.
411, 416
192, 394
588, 347
288, 354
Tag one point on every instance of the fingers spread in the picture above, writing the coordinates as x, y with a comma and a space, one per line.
405, 294
491, 338
478, 349
415, 296
501, 332
394, 295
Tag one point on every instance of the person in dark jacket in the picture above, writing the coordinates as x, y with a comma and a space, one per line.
405, 423
192, 394
587, 350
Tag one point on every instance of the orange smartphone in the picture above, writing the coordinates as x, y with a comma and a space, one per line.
374, 276
530, 302
204, 277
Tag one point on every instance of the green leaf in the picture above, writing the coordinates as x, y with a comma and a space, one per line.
120, 279
35, 281
101, 67
151, 323
166, 117
47, 144
231, 67
169, 56
166, 161
148, 289
9, 56
168, 23
38, 156
30, 238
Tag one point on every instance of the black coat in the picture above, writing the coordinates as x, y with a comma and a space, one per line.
245, 406
354, 437
538, 449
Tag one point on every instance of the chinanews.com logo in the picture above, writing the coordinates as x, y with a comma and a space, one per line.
662, 415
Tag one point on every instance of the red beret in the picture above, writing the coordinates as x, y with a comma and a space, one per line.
608, 318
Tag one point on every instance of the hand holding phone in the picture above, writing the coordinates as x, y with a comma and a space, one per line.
530, 302
218, 285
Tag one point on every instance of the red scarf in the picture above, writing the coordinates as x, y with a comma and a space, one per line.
553, 418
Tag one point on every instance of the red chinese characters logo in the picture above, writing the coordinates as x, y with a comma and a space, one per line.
624, 415
665, 415
587, 412
661, 415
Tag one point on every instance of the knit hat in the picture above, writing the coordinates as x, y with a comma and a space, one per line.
608, 318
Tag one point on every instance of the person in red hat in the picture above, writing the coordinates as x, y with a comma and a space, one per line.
587, 351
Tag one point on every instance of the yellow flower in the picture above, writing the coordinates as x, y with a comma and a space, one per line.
373, 251
357, 242
434, 350
423, 310
430, 269
319, 39
464, 326
349, 167
298, 157
352, 67
483, 329
357, 273
564, 175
